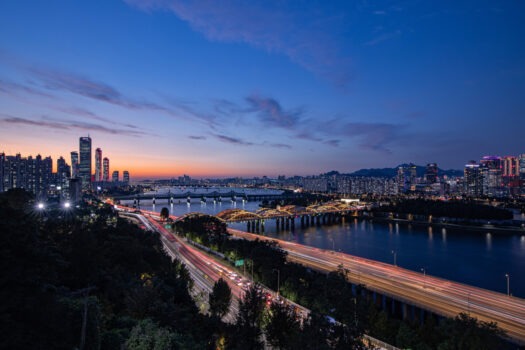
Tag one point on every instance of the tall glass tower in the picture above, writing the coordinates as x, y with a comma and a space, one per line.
84, 165
98, 165
105, 165
74, 164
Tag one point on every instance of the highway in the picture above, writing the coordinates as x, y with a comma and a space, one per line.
431, 293
205, 270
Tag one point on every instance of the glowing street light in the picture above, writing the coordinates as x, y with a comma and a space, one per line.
507, 276
40, 206
67, 205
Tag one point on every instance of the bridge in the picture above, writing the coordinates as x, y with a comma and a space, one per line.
215, 195
286, 216
409, 294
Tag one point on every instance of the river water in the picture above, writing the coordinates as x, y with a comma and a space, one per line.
477, 258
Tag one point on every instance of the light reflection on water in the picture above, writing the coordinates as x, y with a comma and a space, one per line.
476, 258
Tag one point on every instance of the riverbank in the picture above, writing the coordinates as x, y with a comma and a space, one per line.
481, 228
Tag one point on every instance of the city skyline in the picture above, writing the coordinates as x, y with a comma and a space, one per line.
252, 89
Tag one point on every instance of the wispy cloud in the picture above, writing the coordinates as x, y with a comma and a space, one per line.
192, 137
14, 89
58, 124
271, 112
280, 145
232, 140
307, 36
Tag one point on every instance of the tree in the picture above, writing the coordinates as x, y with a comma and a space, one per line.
249, 319
467, 333
316, 331
164, 213
282, 328
220, 299
147, 335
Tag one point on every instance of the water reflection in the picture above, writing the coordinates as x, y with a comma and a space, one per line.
475, 258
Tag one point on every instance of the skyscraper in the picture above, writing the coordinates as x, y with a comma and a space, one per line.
63, 173
115, 176
473, 179
84, 165
98, 165
105, 165
431, 173
125, 177
74, 164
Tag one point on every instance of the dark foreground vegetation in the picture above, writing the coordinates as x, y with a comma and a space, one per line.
82, 278
331, 294
88, 280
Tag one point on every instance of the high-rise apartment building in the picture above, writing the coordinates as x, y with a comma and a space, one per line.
473, 179
521, 162
125, 177
84, 166
74, 164
115, 176
511, 166
491, 172
63, 173
98, 165
2, 162
32, 174
431, 173
105, 169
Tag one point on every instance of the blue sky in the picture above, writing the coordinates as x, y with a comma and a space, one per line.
212, 88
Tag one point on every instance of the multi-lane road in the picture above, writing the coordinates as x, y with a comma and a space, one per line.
431, 293
438, 295
205, 271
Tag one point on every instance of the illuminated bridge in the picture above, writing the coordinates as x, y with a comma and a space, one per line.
286, 216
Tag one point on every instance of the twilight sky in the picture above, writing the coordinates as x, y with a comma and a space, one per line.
218, 88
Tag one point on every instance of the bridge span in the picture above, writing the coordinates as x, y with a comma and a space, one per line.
215, 195
406, 290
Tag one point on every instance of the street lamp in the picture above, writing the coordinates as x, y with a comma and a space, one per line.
278, 279
424, 277
333, 244
40, 206
67, 205
395, 256
507, 276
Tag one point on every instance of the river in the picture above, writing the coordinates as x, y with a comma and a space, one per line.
476, 258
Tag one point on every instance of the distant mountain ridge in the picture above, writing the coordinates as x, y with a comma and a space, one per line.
392, 172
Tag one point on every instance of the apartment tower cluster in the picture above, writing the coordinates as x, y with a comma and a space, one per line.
36, 174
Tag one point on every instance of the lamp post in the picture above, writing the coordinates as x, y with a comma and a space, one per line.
507, 276
395, 256
278, 279
333, 245
424, 277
